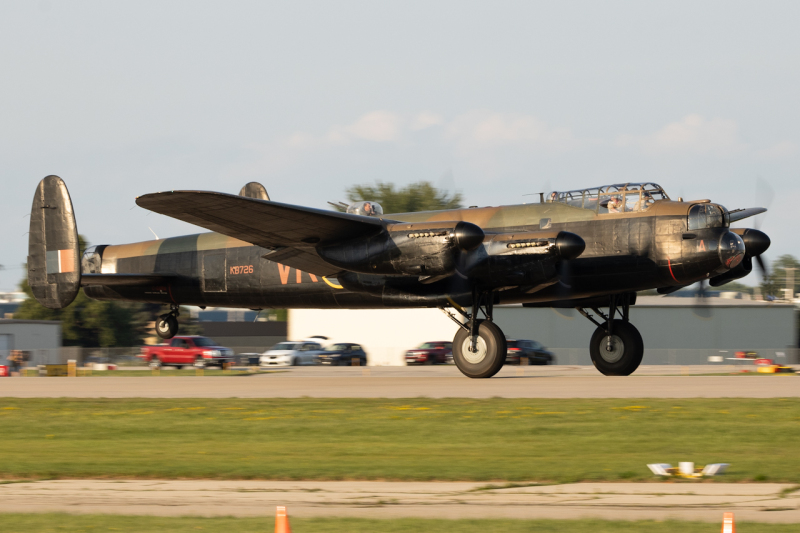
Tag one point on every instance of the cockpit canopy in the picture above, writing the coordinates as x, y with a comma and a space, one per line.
617, 198
368, 208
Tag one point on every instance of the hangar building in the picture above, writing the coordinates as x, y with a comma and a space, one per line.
41, 338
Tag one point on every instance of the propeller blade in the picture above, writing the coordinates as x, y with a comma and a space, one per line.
762, 267
764, 196
740, 214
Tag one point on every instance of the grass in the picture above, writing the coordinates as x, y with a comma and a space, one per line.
55, 522
508, 440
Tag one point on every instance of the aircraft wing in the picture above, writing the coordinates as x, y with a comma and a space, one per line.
291, 231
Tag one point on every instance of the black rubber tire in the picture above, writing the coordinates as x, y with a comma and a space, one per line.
178, 367
166, 326
495, 355
617, 364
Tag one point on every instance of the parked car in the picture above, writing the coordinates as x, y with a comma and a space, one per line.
291, 353
187, 350
343, 354
430, 353
532, 350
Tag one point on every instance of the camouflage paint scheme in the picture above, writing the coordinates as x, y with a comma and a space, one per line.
624, 252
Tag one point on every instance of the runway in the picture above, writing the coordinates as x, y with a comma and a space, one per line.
409, 382
765, 502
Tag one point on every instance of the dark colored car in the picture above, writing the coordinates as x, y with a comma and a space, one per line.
343, 354
430, 353
518, 350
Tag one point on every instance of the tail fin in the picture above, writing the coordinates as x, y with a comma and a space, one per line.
254, 190
54, 273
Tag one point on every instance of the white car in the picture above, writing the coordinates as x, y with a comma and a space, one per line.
291, 353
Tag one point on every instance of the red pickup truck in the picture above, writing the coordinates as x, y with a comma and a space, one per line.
187, 350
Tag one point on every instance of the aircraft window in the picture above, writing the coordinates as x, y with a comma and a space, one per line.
92, 260
614, 204
705, 216
596, 198
369, 208
545, 223
631, 201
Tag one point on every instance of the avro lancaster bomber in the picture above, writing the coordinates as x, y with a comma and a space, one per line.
588, 249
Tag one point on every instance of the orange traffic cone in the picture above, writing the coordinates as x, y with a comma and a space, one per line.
728, 526
282, 521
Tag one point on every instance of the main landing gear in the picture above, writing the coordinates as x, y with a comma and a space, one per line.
616, 347
479, 347
167, 325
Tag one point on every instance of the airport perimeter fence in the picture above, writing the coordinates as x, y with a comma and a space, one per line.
82, 356
690, 356
127, 356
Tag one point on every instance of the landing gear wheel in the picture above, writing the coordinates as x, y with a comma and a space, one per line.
155, 363
490, 350
166, 326
620, 357
199, 362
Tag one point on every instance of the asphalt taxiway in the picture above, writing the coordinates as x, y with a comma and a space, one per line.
409, 382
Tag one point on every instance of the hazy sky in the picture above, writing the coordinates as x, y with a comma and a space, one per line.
508, 98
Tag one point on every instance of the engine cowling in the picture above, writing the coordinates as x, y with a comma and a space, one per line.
527, 258
413, 249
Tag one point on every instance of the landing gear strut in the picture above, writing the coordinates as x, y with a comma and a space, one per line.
479, 347
616, 347
167, 325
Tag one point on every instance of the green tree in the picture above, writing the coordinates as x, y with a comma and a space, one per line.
783, 269
420, 196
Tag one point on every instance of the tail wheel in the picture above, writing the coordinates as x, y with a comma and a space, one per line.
490, 350
199, 362
621, 354
166, 326
155, 362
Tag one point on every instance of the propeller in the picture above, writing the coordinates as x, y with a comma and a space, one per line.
764, 196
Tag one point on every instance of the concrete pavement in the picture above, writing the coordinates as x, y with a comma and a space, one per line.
700, 501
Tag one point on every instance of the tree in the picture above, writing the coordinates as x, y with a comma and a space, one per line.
783, 270
420, 196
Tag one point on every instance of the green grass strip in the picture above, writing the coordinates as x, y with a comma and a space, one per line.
56, 522
412, 439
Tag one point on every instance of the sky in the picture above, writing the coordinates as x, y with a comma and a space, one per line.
496, 100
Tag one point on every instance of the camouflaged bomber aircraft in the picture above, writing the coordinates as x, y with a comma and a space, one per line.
585, 249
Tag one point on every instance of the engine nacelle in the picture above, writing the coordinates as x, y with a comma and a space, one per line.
739, 271
413, 249
527, 258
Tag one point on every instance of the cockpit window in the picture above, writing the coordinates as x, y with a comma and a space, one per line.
622, 197
706, 216
369, 208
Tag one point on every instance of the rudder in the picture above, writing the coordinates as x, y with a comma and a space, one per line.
54, 273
